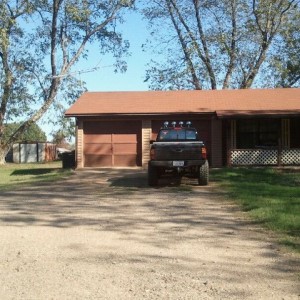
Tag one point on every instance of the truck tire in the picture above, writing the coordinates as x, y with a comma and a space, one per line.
203, 175
152, 175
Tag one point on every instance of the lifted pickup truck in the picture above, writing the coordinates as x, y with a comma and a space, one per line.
178, 150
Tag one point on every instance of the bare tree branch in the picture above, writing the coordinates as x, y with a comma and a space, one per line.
267, 34
63, 53
203, 57
232, 49
205, 47
195, 80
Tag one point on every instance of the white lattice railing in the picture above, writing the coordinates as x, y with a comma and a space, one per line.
264, 157
290, 157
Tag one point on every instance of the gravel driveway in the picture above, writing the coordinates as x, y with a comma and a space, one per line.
103, 234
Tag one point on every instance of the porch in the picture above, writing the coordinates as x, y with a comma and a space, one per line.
263, 142
260, 157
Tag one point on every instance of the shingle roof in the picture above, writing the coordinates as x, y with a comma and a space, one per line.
224, 103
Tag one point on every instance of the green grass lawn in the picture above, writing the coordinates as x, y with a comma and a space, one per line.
12, 175
270, 196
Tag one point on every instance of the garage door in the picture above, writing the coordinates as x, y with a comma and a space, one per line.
112, 144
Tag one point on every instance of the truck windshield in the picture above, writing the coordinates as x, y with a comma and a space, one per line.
175, 134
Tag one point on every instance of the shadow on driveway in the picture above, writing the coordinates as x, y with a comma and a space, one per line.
119, 205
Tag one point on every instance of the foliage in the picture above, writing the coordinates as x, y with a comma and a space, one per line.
59, 137
62, 138
223, 44
40, 43
270, 196
32, 133
285, 63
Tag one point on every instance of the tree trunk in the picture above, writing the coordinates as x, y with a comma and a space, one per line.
187, 55
3, 151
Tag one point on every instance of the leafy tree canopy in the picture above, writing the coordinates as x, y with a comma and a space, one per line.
40, 43
32, 134
210, 44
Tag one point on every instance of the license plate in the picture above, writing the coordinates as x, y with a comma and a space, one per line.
178, 163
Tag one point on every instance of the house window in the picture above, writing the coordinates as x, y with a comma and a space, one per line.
257, 133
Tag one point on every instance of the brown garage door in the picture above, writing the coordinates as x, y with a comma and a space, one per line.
109, 144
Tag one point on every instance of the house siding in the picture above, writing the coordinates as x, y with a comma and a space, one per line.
216, 143
219, 136
79, 145
146, 136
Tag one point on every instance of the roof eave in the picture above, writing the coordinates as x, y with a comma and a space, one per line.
69, 115
256, 114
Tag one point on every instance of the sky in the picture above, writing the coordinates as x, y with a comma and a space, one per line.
104, 78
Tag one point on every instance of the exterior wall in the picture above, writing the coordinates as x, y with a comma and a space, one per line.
220, 137
79, 144
216, 143
146, 136
225, 141
210, 133
16, 153
232, 134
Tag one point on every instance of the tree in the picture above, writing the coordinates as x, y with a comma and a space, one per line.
285, 63
40, 42
59, 138
213, 44
32, 134
65, 132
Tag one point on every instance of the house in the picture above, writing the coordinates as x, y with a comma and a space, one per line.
239, 127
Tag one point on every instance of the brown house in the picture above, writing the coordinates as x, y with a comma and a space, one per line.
239, 127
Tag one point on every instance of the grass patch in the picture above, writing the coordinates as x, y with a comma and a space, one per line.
270, 196
14, 175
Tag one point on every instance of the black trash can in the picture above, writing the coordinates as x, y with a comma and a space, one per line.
68, 160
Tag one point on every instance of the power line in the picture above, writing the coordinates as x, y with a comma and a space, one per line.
81, 71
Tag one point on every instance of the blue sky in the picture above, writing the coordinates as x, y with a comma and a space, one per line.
104, 78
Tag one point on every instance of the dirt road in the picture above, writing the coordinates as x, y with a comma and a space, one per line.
106, 235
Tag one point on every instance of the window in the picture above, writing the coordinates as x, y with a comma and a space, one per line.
177, 134
191, 135
257, 133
